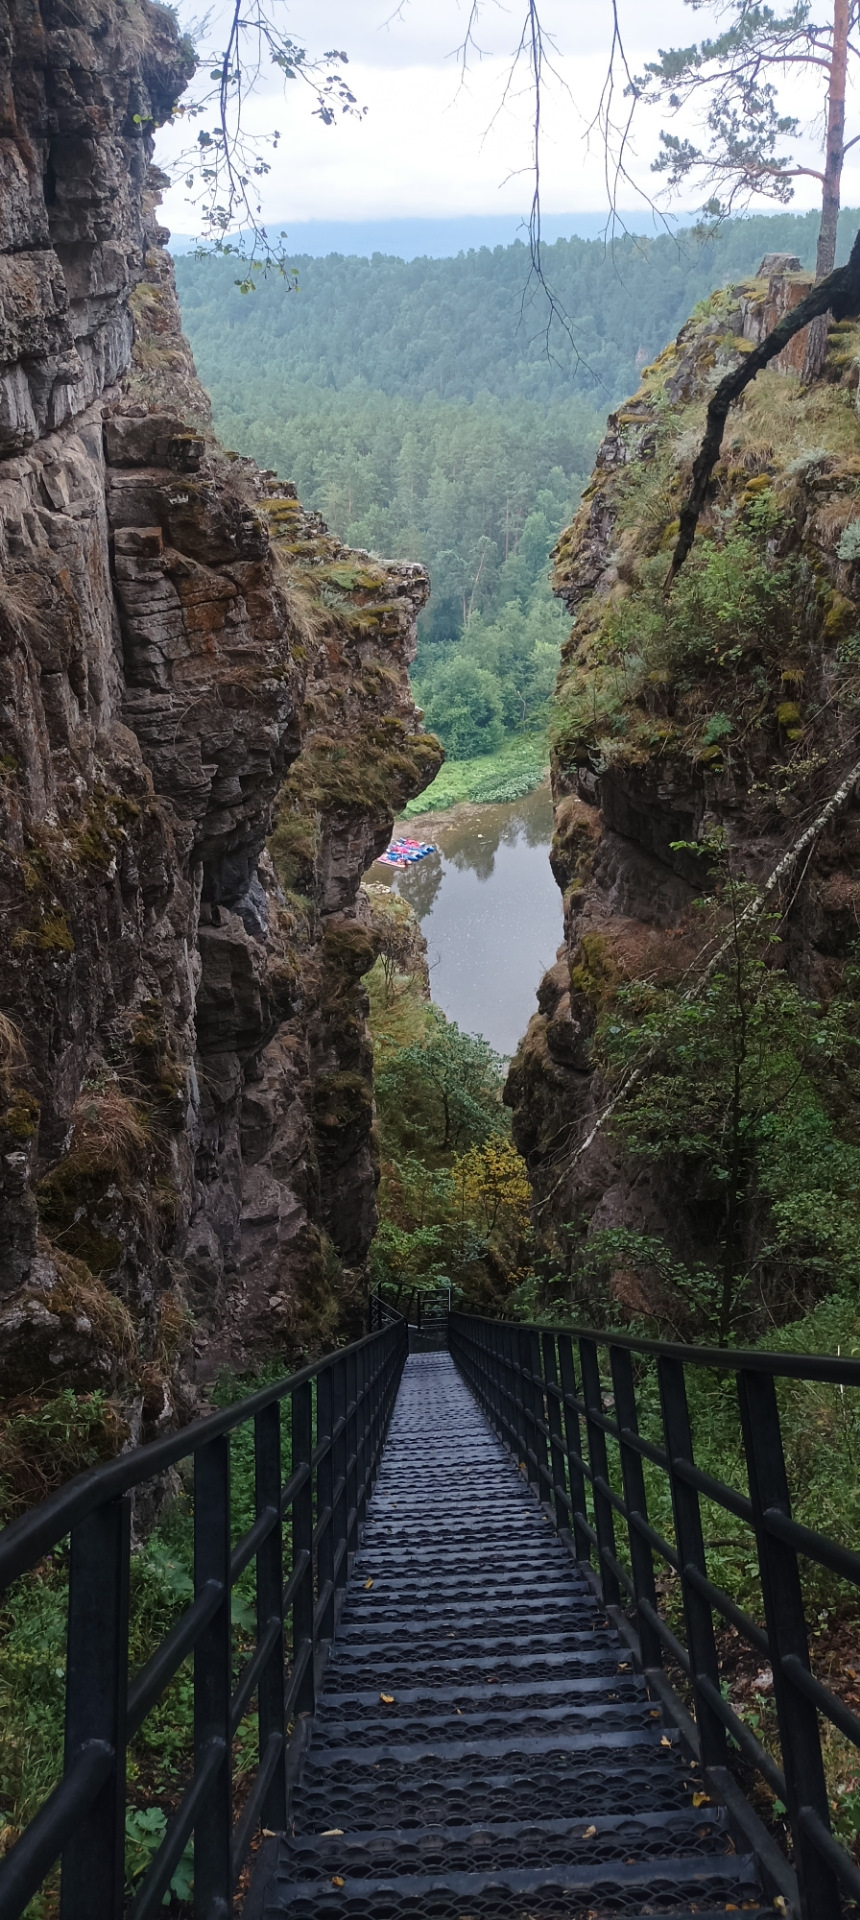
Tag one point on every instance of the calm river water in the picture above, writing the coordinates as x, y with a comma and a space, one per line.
489, 909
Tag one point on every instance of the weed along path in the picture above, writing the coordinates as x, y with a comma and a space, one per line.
489, 909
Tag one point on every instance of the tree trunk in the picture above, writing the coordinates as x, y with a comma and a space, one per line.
816, 339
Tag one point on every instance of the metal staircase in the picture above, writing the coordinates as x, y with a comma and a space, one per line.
469, 1698
483, 1746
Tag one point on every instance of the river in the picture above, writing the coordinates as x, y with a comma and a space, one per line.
489, 909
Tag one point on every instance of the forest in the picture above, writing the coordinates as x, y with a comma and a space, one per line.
424, 410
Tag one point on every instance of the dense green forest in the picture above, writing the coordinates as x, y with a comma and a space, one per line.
424, 410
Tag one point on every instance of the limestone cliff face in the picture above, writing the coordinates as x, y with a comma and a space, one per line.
187, 1168
731, 707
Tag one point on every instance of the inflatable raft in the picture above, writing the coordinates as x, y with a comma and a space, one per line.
404, 853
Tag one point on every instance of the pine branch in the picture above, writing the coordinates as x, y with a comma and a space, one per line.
839, 293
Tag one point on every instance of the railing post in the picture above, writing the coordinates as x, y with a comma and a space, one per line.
556, 1442
303, 1536
325, 1505
603, 1521
351, 1496
270, 1608
340, 1517
93, 1873
800, 1739
701, 1643
539, 1423
213, 1827
518, 1355
573, 1440
641, 1558
360, 1441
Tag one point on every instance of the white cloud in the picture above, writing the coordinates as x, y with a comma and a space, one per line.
434, 143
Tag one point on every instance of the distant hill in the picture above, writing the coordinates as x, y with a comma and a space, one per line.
471, 324
434, 238
425, 410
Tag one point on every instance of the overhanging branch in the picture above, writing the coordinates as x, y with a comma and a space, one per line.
839, 293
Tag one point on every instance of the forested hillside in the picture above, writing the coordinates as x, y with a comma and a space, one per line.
420, 407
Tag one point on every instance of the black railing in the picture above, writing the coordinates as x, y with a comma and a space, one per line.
540, 1387
338, 1416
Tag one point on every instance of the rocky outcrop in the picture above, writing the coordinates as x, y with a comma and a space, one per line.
187, 1170
723, 716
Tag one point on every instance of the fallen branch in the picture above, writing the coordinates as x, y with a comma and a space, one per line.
839, 294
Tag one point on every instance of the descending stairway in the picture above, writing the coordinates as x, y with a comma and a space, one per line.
483, 1749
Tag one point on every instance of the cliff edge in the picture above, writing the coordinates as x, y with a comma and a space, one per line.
190, 667
696, 736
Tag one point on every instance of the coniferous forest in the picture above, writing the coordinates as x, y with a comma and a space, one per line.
429, 412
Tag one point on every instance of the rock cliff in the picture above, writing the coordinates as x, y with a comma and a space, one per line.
720, 717
190, 666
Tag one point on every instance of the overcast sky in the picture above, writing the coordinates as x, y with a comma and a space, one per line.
429, 144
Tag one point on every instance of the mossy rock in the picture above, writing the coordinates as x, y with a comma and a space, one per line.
342, 1101
348, 951
19, 1119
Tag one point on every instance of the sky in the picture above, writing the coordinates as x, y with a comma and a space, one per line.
435, 142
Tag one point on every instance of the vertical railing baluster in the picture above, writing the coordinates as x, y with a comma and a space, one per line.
93, 1873
519, 1361
360, 1440
301, 1451
573, 1439
701, 1643
800, 1738
339, 1519
592, 1394
325, 1505
641, 1558
556, 1441
539, 1417
270, 1609
351, 1499
212, 1682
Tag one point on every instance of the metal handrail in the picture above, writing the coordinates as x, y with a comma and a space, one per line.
339, 1411
539, 1386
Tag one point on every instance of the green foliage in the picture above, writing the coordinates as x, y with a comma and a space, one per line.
741, 1101
44, 1443
444, 1092
516, 769
464, 707
849, 545
453, 1195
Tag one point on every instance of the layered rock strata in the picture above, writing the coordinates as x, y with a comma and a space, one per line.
187, 1170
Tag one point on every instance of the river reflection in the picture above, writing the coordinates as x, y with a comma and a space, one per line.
489, 909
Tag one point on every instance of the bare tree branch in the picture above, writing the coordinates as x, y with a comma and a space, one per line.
839, 293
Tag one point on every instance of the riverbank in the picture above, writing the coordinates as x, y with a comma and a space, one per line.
491, 779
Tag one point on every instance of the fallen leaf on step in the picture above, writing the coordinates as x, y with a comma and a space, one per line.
665, 1741
701, 1799
328, 1833
387, 1699
337, 1880
268, 1833
367, 1585
589, 1833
